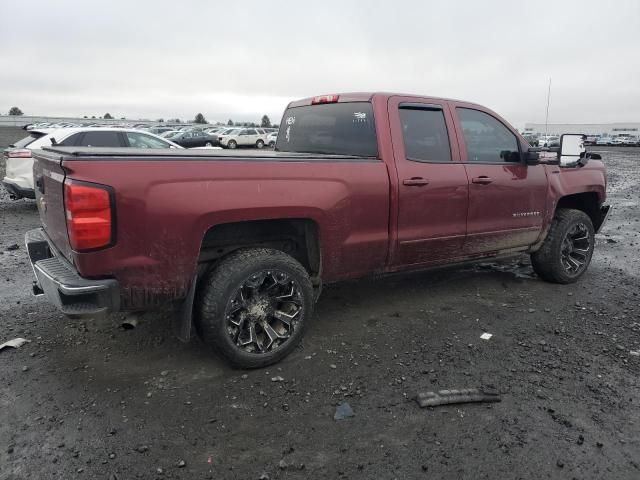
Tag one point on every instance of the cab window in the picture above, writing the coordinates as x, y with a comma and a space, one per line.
425, 134
487, 139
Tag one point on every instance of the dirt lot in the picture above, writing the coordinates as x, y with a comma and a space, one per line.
87, 399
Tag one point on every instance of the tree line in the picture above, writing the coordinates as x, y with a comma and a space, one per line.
265, 122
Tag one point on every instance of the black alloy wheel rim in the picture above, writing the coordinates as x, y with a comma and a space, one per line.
264, 311
576, 246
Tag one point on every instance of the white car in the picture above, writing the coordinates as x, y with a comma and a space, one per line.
18, 180
603, 141
272, 138
245, 137
549, 141
617, 140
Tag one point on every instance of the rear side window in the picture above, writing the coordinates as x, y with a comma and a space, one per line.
27, 140
331, 128
425, 135
140, 140
487, 139
71, 140
100, 139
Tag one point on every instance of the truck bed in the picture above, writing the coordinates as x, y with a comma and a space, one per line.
167, 202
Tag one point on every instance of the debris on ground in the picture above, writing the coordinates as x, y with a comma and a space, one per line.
15, 343
465, 395
277, 379
635, 353
15, 246
130, 322
343, 411
486, 336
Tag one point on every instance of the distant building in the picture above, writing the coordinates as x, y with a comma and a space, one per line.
602, 129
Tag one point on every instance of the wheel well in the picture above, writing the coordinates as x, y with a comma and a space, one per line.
586, 201
296, 237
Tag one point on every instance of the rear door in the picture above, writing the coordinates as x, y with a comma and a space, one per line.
433, 186
506, 196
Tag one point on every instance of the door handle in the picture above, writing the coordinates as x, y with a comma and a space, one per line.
482, 180
415, 182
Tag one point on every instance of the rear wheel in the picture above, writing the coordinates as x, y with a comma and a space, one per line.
254, 307
567, 250
260, 144
208, 144
232, 144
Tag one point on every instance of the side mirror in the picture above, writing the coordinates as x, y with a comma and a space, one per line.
531, 158
571, 149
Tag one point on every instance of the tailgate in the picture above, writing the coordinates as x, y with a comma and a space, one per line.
48, 181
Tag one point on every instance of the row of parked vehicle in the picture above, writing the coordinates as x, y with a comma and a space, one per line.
621, 140
187, 136
225, 137
554, 140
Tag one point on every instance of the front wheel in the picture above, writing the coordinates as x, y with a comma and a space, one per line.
232, 144
254, 306
208, 144
567, 250
259, 144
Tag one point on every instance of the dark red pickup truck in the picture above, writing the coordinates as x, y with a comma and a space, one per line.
358, 184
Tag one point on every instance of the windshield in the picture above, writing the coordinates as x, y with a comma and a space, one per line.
331, 128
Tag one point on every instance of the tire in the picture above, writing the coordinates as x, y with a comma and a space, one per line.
232, 144
247, 293
260, 144
208, 144
570, 241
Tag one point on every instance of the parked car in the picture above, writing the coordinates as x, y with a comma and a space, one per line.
549, 141
195, 138
591, 139
603, 141
272, 138
242, 137
425, 182
617, 141
160, 130
630, 141
18, 180
170, 134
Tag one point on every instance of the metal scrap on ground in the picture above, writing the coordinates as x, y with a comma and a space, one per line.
465, 395
15, 343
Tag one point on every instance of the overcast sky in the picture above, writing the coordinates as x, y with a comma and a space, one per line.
152, 59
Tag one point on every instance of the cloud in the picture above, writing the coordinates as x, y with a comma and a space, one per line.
165, 58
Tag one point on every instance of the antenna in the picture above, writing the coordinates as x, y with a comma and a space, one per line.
546, 118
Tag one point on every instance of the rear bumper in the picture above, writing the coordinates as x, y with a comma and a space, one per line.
604, 214
17, 191
59, 282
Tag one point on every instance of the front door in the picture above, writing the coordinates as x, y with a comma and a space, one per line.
507, 197
432, 183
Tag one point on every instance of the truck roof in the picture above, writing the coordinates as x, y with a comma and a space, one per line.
368, 96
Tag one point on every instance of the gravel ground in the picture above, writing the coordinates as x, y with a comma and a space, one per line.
88, 399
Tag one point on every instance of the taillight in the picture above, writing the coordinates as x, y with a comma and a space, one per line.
89, 215
19, 153
324, 99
